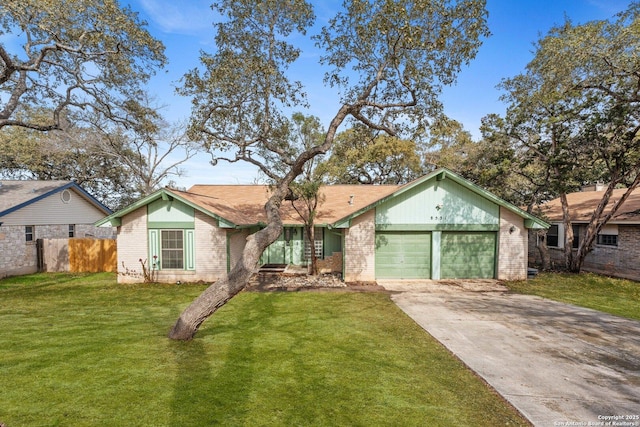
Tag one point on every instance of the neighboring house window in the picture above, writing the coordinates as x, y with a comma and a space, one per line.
172, 248
72, 230
29, 233
608, 239
552, 236
576, 236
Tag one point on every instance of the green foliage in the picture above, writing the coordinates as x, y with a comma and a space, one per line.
72, 155
81, 350
77, 58
616, 296
360, 157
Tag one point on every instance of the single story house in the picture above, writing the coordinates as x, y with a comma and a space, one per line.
617, 248
436, 227
32, 210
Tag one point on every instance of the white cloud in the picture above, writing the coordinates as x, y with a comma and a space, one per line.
184, 17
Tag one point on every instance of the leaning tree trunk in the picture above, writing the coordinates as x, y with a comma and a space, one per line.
217, 295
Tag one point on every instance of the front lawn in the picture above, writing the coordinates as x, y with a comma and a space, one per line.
80, 350
616, 296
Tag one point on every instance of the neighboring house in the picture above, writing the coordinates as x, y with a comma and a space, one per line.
616, 251
439, 226
31, 210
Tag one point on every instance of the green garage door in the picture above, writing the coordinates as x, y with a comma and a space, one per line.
468, 255
403, 255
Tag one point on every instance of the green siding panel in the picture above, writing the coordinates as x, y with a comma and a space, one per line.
440, 204
166, 211
468, 255
401, 255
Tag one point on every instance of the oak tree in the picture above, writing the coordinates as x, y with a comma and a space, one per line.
72, 58
576, 112
388, 60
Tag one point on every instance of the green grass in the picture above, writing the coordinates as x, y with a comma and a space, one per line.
610, 295
80, 350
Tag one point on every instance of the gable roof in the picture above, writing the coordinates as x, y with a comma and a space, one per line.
531, 221
243, 205
583, 203
16, 194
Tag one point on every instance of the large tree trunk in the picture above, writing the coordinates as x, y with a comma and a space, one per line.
217, 295
313, 261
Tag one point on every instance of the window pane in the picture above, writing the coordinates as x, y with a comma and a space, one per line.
608, 239
172, 245
28, 233
552, 236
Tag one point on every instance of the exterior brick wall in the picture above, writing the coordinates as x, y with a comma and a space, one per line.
512, 255
237, 240
132, 246
617, 261
211, 248
359, 249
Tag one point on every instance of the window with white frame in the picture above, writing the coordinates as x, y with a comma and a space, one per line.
172, 249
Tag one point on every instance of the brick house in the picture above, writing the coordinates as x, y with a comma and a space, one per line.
617, 248
32, 210
436, 227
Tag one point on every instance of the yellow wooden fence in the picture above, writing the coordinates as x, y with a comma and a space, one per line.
92, 255
77, 255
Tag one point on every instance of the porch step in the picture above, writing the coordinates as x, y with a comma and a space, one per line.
273, 268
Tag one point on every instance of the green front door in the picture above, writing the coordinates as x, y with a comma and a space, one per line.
403, 255
275, 252
468, 255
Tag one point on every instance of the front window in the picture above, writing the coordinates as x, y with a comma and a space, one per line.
172, 247
608, 239
576, 236
552, 236
29, 233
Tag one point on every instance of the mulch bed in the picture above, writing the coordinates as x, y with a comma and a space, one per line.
302, 282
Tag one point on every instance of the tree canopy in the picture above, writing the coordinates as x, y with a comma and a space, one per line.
359, 156
575, 113
73, 58
389, 61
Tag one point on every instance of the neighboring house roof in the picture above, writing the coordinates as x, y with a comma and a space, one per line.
243, 205
583, 203
15, 195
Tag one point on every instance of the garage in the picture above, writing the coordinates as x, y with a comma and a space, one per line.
403, 255
468, 255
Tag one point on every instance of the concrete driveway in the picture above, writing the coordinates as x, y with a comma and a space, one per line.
558, 364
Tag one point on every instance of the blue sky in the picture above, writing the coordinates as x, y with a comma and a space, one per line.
185, 27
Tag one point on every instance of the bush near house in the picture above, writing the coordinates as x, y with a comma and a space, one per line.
81, 350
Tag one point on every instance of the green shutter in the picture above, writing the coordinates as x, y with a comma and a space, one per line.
154, 249
189, 250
